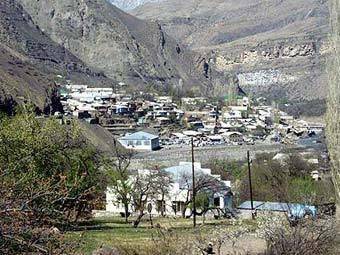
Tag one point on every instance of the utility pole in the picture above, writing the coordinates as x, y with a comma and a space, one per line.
193, 182
250, 187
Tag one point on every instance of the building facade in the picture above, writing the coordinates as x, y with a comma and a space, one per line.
140, 141
180, 189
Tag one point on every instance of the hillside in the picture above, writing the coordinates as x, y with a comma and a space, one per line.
123, 47
30, 60
276, 48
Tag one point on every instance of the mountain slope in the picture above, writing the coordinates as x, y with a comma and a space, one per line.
122, 46
30, 60
276, 48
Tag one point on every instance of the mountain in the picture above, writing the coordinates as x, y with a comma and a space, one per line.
276, 48
30, 61
131, 4
123, 47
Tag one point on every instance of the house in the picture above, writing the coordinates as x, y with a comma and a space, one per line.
233, 137
140, 141
180, 188
237, 112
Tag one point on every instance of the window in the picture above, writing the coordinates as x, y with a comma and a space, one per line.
147, 143
217, 201
138, 143
130, 143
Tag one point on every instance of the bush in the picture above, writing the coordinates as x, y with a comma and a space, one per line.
49, 181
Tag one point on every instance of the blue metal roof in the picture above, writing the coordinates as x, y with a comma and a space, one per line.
298, 210
247, 205
139, 136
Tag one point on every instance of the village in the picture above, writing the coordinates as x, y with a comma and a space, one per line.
235, 121
156, 126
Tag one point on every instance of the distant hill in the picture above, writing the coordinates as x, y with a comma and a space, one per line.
277, 48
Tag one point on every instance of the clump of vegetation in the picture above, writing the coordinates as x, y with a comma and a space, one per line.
49, 181
308, 237
288, 180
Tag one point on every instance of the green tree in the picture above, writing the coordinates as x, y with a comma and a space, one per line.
49, 179
286, 181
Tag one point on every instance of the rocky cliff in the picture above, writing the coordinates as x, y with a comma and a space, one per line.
125, 48
276, 48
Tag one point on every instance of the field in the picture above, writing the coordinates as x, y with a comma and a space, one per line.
114, 232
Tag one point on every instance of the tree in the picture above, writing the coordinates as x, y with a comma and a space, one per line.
333, 111
162, 184
203, 182
286, 181
148, 186
141, 192
119, 173
49, 178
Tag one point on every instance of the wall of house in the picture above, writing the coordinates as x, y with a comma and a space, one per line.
176, 196
138, 144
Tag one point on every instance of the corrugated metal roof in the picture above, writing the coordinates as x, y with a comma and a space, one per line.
293, 209
247, 205
139, 136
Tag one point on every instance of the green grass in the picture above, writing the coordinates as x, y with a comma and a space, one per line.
113, 232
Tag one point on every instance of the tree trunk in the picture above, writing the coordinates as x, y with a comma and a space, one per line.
162, 205
184, 209
126, 208
138, 220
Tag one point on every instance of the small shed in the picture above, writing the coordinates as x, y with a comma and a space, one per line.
140, 141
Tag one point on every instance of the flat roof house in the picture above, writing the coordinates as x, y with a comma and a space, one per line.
140, 141
173, 203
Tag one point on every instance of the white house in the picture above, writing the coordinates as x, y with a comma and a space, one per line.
179, 191
140, 141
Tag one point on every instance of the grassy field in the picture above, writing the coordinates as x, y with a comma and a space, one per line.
114, 232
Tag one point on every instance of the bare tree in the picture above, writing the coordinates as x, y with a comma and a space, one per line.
142, 190
119, 176
162, 186
148, 186
309, 237
203, 182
